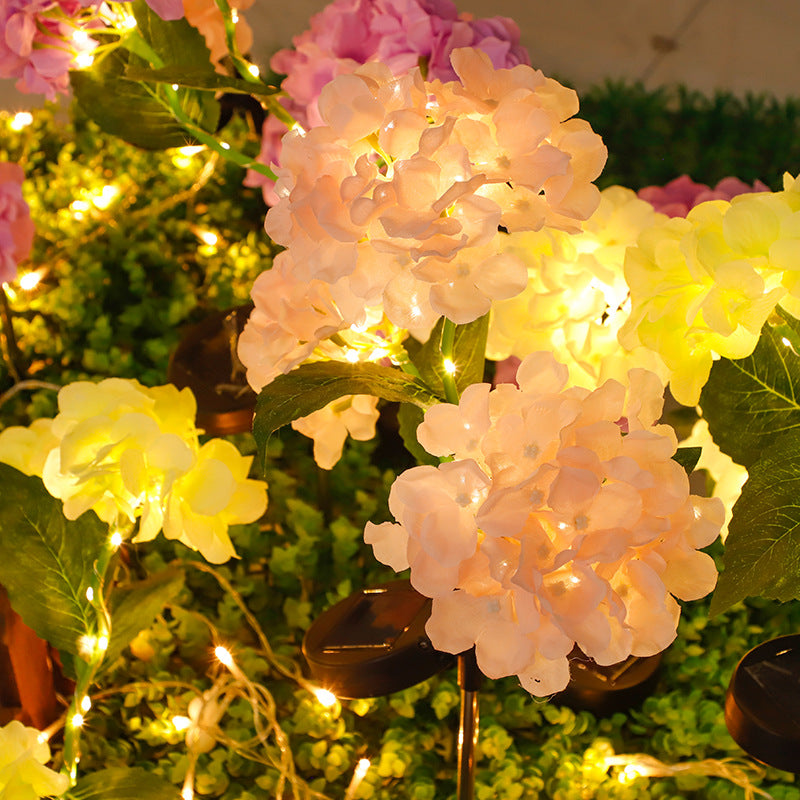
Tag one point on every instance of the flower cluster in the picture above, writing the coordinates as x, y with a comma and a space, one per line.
132, 453
43, 40
704, 286
23, 774
16, 226
399, 33
576, 298
679, 196
551, 527
396, 202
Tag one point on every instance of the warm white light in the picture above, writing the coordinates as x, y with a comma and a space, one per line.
86, 704
191, 150
234, 15
351, 356
102, 644
253, 70
325, 697
630, 773
87, 644
78, 207
175, 87
127, 22
116, 539
43, 736
224, 656
181, 723
187, 793
207, 237
89, 594
107, 196
76, 721
224, 145
30, 280
21, 120
84, 60
449, 367
358, 775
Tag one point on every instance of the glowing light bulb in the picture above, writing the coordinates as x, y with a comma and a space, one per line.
106, 197
76, 721
21, 120
30, 280
102, 643
358, 775
43, 737
325, 697
253, 70
87, 644
224, 145
84, 60
86, 704
234, 15
127, 22
89, 594
187, 793
116, 539
351, 356
208, 237
224, 656
449, 367
181, 723
175, 87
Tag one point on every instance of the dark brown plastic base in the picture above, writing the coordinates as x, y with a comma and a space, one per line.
762, 707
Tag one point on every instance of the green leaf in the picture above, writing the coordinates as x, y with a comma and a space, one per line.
762, 551
130, 111
688, 457
312, 386
121, 783
175, 42
46, 560
199, 79
751, 402
134, 607
409, 418
469, 355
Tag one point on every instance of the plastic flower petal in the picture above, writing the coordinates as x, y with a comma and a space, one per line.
551, 527
16, 226
23, 774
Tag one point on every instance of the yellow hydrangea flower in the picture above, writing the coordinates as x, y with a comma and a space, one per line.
132, 453
703, 287
23, 774
576, 297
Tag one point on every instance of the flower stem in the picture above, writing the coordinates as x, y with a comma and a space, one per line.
447, 348
92, 651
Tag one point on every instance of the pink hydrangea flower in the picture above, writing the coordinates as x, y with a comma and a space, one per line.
551, 526
679, 196
42, 40
16, 226
399, 33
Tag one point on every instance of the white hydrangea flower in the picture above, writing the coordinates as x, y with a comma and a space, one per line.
23, 774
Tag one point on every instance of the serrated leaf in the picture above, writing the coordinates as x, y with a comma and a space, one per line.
199, 79
135, 606
409, 418
469, 355
128, 110
312, 386
122, 783
688, 457
46, 560
762, 551
751, 402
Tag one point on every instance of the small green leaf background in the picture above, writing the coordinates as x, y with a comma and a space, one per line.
46, 560
121, 783
753, 410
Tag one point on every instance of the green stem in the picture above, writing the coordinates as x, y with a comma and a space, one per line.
446, 348
15, 361
88, 664
242, 66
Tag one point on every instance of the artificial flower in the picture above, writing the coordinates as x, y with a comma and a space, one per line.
16, 226
23, 774
395, 203
576, 297
43, 40
132, 453
703, 286
353, 415
550, 527
679, 196
398, 33
728, 476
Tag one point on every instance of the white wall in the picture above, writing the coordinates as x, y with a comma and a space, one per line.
740, 45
